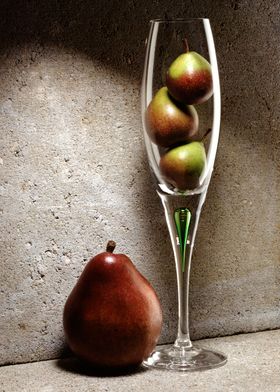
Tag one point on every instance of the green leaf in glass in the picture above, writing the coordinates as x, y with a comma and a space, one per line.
182, 217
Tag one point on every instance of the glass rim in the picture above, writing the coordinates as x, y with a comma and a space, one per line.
178, 20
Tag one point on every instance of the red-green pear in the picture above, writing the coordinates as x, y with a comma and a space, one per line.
182, 166
189, 78
170, 122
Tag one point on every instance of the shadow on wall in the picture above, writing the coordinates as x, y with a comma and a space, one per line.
113, 34
101, 32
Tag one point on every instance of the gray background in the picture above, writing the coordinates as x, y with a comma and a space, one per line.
74, 172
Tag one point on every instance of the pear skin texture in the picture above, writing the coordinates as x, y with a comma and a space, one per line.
183, 165
189, 79
170, 122
112, 318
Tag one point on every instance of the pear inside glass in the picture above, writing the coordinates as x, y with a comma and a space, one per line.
166, 41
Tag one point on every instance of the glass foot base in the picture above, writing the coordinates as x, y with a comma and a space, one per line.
185, 359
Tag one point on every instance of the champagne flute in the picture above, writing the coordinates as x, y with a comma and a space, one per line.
182, 207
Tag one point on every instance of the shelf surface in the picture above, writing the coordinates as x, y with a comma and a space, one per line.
253, 365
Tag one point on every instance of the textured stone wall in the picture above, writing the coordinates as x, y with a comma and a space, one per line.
74, 170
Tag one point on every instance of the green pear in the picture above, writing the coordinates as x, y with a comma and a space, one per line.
189, 78
182, 166
169, 122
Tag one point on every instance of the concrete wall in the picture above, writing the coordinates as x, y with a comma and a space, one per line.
74, 171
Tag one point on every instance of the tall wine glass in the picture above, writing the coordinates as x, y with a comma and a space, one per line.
166, 41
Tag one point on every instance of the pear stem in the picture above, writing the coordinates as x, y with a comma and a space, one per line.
186, 45
110, 246
206, 134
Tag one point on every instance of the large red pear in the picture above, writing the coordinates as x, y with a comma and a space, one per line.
113, 317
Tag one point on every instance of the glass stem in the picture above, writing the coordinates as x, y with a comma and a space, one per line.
182, 216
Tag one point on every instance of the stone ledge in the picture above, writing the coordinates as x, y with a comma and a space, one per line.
253, 365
